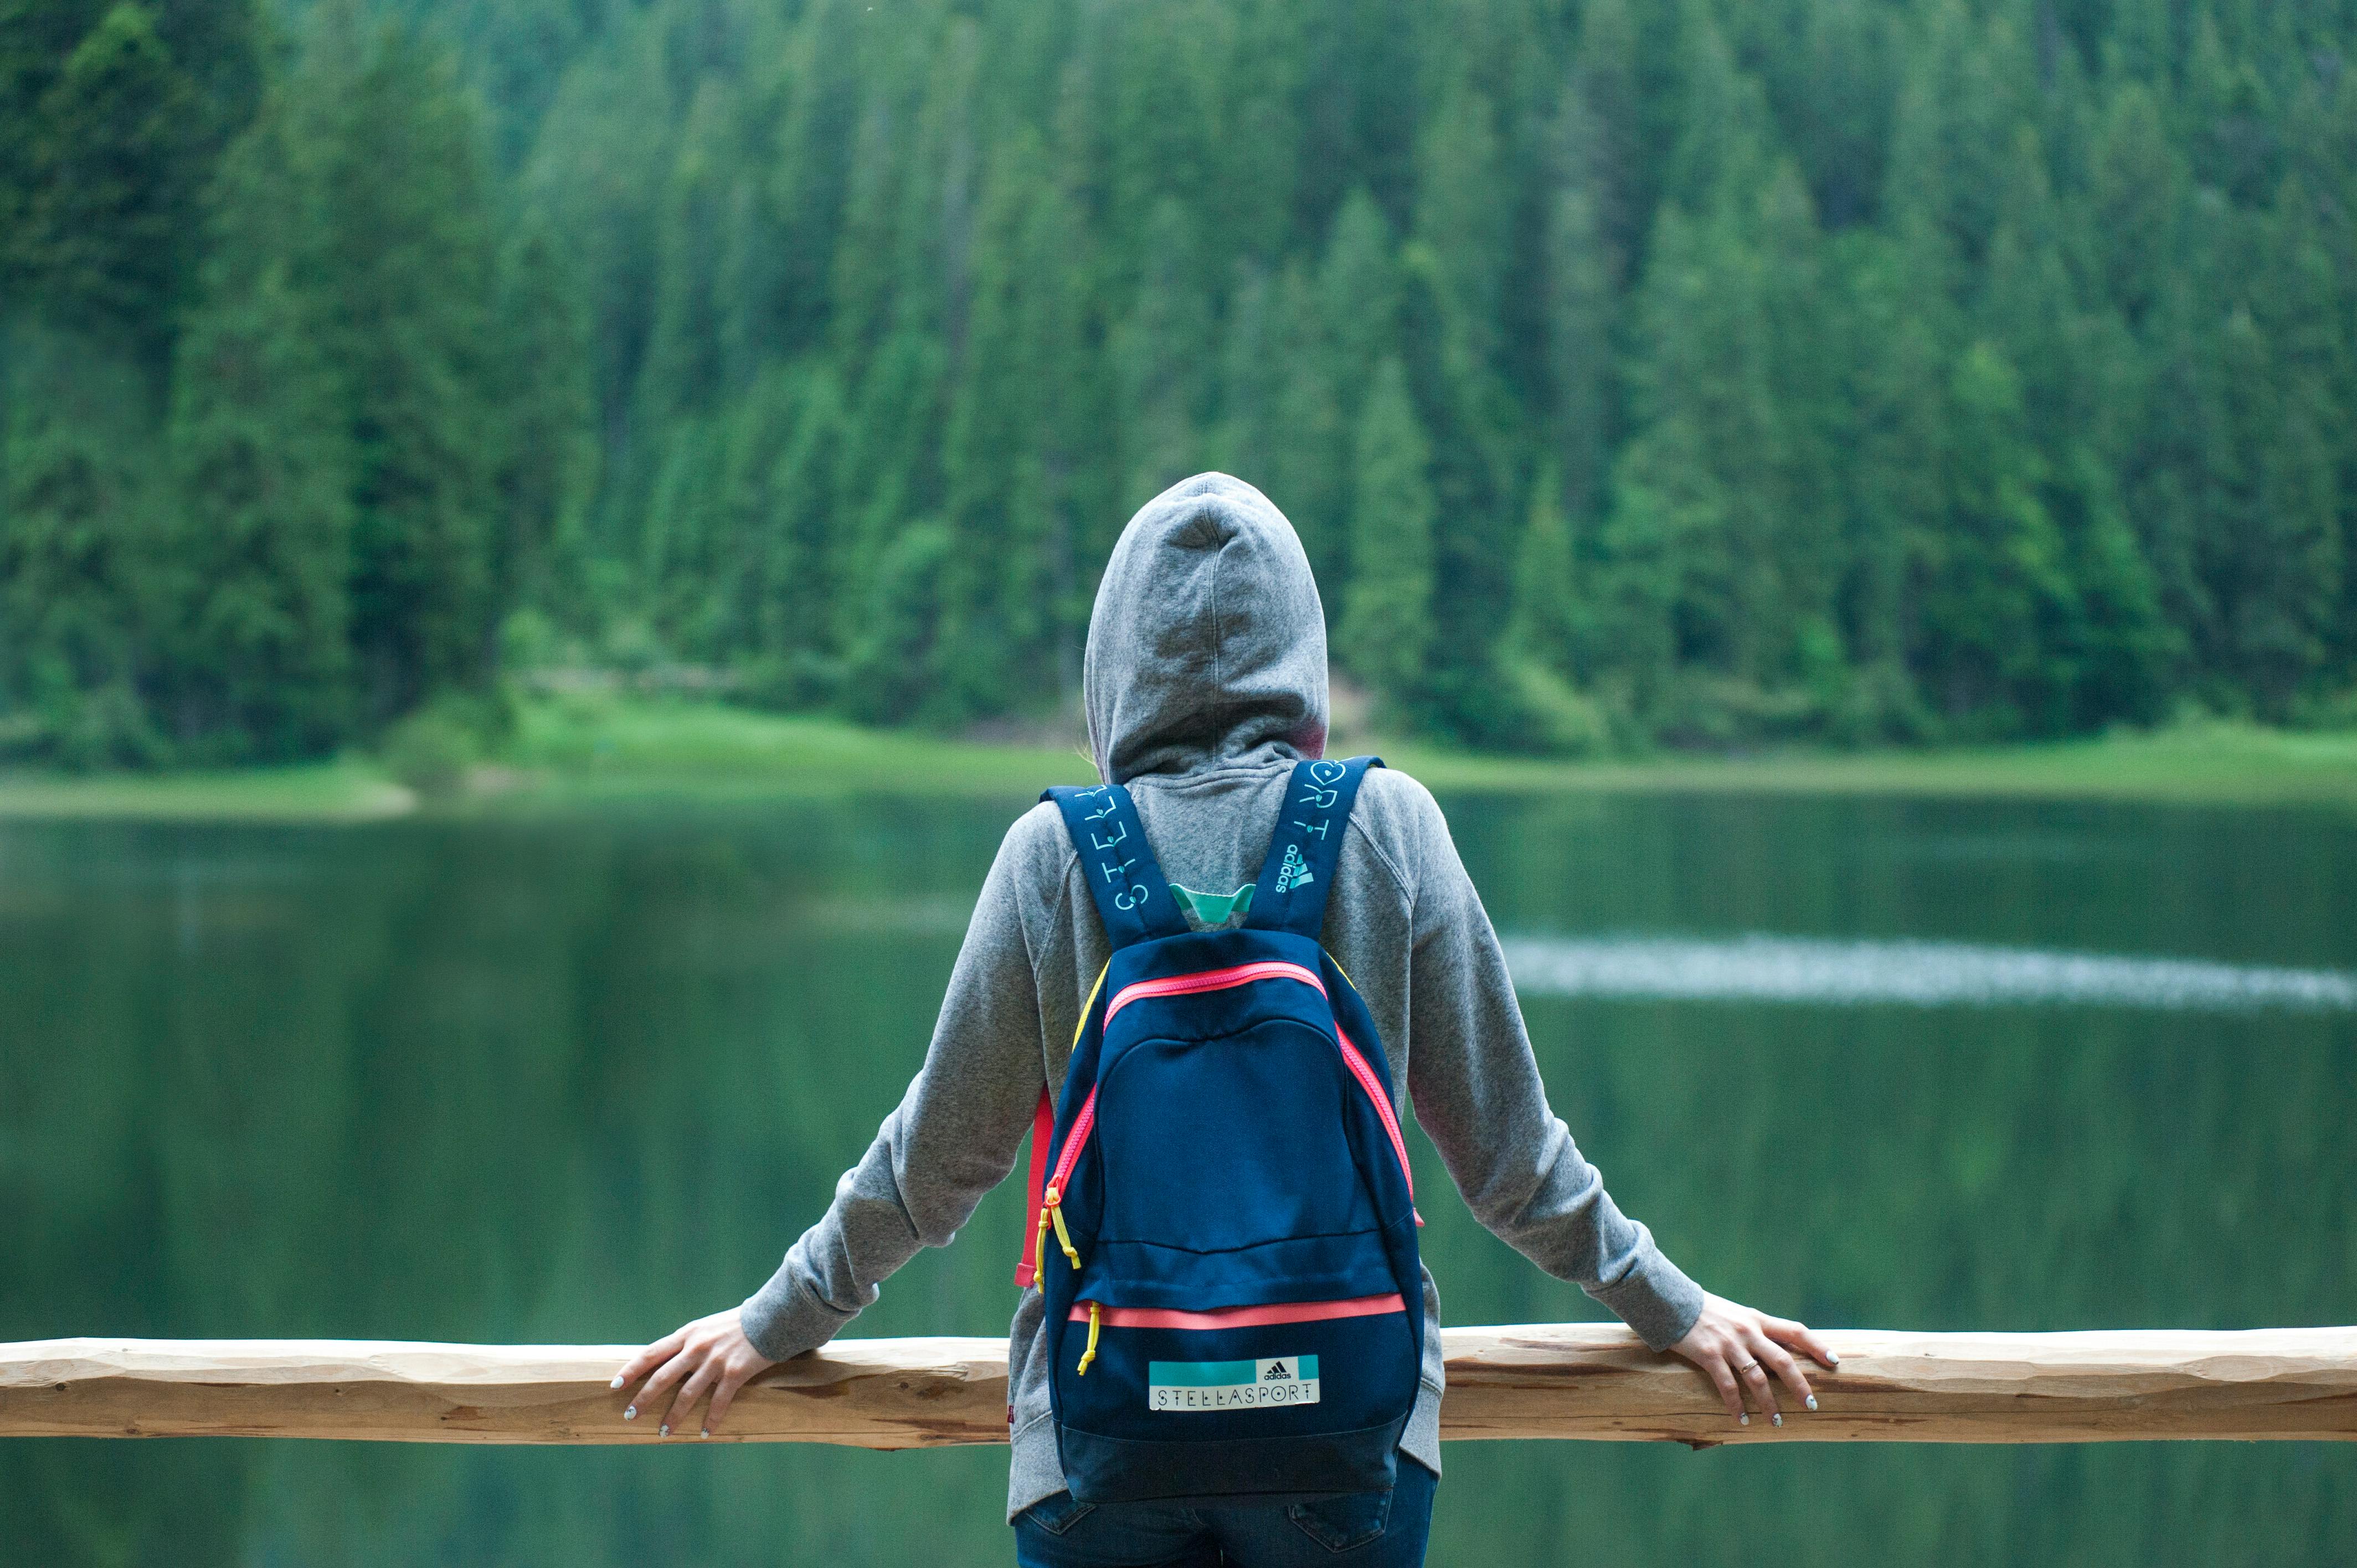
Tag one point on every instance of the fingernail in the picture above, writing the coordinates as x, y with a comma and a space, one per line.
706, 1432
1836, 1361
1812, 1402
1743, 1420
664, 1430
617, 1382
1778, 1419
631, 1413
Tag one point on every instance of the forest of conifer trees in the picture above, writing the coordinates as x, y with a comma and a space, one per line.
1692, 372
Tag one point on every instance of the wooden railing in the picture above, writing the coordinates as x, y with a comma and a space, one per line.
1579, 1381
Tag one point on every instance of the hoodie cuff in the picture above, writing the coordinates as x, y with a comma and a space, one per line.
1655, 1298
781, 1320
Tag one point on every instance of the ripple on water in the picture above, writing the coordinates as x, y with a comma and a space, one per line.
1761, 967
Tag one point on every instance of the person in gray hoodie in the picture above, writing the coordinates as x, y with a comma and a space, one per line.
1204, 683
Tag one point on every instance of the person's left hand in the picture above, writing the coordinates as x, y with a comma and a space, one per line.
710, 1356
1738, 1348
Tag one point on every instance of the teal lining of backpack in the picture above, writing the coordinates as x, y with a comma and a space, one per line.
1213, 910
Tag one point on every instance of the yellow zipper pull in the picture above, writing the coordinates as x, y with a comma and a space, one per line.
1053, 1208
1040, 1264
1090, 1353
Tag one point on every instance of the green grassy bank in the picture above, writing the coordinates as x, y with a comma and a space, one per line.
580, 749
347, 789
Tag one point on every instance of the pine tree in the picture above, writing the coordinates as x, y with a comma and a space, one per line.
1603, 133
686, 545
1707, 458
1893, 493
1359, 291
263, 469
1305, 449
1006, 445
2275, 560
1386, 632
800, 569
2308, 300
1835, 87
406, 274
1994, 579
548, 461
1959, 96
688, 365
82, 578
1465, 221
111, 120
1545, 626
888, 470
2102, 651
1582, 321
784, 235
894, 660
1163, 353
2135, 189
1451, 342
753, 571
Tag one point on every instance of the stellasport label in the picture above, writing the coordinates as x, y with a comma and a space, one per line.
1231, 1385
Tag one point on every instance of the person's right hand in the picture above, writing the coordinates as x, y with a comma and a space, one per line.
1738, 1348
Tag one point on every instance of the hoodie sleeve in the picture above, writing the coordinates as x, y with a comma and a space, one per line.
1476, 1093
954, 1136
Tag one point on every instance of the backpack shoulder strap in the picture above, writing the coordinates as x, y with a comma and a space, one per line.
1127, 882
1307, 845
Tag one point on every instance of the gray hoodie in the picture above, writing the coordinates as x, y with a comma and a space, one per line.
1205, 682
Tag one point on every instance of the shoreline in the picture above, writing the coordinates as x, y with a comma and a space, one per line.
576, 753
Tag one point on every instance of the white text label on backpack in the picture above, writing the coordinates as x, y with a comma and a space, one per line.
1231, 1385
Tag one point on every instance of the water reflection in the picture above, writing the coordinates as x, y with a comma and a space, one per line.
1912, 973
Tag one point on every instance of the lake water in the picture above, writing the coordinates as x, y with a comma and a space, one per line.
576, 1079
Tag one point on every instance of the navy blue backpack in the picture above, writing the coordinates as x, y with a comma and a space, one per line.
1234, 1303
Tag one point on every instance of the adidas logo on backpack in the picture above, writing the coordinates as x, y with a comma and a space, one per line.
1236, 1311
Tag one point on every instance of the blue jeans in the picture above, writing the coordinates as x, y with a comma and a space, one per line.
1368, 1530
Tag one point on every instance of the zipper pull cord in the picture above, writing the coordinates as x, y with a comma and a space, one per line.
1090, 1353
1040, 1262
1052, 1208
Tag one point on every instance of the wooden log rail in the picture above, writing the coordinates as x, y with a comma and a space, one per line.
1581, 1380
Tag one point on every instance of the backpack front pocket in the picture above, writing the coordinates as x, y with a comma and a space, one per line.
1238, 1160
1345, 1356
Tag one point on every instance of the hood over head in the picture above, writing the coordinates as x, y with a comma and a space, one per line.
1208, 642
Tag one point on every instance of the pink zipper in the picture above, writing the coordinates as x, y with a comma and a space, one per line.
1211, 980
1366, 1077
1240, 1316
1223, 980
1082, 1126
